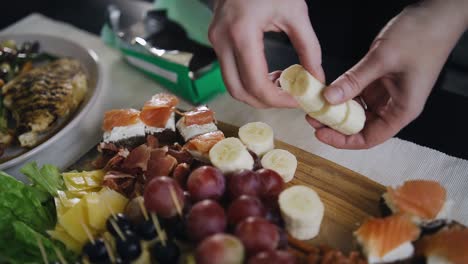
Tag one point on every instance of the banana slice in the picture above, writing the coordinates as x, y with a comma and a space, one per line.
282, 162
258, 137
331, 115
230, 155
302, 211
354, 120
303, 87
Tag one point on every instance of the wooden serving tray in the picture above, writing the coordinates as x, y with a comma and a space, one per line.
349, 197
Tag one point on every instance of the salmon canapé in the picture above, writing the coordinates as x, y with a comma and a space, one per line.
450, 244
203, 143
157, 111
199, 116
421, 198
119, 118
382, 235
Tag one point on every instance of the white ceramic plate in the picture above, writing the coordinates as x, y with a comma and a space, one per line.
61, 48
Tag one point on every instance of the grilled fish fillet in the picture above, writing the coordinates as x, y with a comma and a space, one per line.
39, 97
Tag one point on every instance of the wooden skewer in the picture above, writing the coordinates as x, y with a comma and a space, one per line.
88, 233
110, 209
161, 233
109, 251
42, 249
142, 208
117, 229
175, 200
59, 255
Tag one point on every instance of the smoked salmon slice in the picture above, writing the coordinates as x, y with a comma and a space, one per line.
119, 117
203, 143
157, 111
451, 244
421, 198
381, 235
199, 116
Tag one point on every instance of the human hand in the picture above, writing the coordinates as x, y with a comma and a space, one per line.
236, 33
397, 74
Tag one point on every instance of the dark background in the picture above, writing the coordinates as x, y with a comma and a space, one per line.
345, 34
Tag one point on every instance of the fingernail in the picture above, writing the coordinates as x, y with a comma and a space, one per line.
333, 94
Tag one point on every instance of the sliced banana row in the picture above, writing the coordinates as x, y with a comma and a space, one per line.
302, 211
258, 137
347, 118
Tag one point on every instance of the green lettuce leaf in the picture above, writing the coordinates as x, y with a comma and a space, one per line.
26, 212
48, 178
17, 200
26, 246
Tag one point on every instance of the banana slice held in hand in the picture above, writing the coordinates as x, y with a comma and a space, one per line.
347, 118
281, 161
258, 137
302, 211
303, 87
230, 155
354, 120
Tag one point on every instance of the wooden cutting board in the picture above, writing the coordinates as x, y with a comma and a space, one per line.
349, 197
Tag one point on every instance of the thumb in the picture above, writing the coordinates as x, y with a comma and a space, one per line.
352, 82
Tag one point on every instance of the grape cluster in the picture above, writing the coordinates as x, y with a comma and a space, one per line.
230, 218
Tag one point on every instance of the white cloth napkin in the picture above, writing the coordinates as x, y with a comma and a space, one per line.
390, 163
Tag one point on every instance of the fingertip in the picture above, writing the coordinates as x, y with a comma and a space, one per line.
288, 100
334, 94
320, 73
314, 123
331, 137
274, 76
316, 70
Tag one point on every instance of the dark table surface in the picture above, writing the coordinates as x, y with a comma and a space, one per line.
440, 126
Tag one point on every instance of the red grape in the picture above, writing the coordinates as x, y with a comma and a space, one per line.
273, 257
188, 202
220, 249
243, 182
205, 218
158, 196
181, 173
243, 207
206, 182
257, 234
271, 183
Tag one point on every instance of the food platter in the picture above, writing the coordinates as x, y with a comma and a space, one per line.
61, 48
349, 197
171, 186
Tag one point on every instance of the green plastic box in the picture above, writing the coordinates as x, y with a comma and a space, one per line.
196, 88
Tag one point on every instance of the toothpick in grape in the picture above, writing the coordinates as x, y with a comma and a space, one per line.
175, 200
161, 233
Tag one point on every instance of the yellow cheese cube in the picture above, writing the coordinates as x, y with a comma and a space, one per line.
101, 205
75, 221
61, 235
